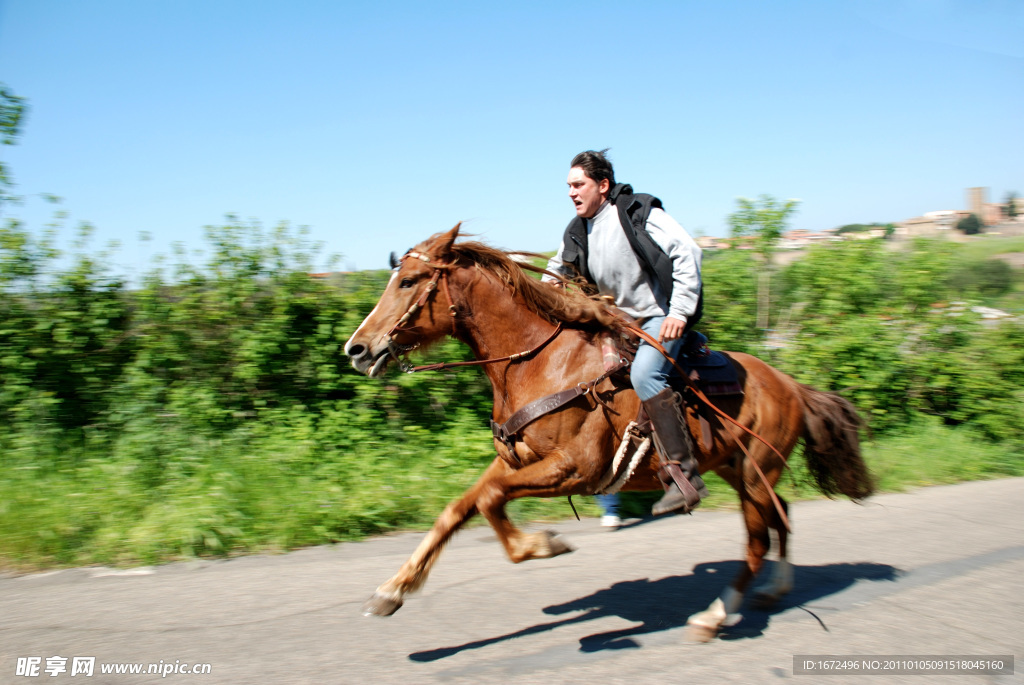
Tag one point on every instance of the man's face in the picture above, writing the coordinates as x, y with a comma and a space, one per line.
587, 194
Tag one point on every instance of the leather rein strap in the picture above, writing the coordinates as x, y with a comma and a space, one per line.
510, 358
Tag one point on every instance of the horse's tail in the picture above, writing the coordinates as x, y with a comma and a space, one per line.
832, 445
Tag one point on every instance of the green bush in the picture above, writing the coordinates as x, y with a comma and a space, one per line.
988, 277
970, 225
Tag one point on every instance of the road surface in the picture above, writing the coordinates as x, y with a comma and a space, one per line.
931, 572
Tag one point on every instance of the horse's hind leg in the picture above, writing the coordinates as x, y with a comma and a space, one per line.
704, 626
389, 596
781, 580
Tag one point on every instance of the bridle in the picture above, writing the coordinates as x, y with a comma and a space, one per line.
440, 274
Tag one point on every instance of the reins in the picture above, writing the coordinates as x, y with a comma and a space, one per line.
509, 358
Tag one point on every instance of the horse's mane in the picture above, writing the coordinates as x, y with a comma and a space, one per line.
558, 305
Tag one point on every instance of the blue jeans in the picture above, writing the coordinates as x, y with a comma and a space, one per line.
651, 369
609, 504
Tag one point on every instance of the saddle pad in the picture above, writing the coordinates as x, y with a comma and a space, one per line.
709, 360
713, 373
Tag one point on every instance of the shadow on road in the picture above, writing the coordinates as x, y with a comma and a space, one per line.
664, 604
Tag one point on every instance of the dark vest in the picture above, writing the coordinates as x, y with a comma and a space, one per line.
634, 209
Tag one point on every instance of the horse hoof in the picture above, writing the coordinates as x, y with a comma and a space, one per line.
698, 633
557, 545
381, 605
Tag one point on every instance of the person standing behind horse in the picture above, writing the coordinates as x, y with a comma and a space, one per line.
629, 248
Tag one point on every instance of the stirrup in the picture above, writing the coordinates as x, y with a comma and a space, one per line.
682, 494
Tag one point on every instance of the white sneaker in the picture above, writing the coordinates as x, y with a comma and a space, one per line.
610, 521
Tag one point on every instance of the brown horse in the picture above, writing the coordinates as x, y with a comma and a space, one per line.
482, 297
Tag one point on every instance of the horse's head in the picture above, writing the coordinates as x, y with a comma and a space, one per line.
411, 312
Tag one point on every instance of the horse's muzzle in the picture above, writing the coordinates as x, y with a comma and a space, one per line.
365, 360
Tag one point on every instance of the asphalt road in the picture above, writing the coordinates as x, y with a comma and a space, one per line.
932, 572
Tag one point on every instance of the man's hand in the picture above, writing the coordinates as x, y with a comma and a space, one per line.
671, 328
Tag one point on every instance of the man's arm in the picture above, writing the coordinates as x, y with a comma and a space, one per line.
686, 261
556, 265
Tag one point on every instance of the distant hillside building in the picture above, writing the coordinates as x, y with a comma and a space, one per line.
939, 222
976, 201
712, 243
930, 223
990, 213
800, 237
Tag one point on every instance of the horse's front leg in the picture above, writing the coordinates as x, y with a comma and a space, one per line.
389, 596
551, 477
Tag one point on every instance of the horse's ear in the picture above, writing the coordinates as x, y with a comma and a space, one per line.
443, 247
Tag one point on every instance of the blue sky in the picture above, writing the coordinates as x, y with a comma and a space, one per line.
378, 124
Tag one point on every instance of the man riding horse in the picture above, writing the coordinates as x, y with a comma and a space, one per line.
627, 247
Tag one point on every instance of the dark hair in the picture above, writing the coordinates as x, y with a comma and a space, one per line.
595, 165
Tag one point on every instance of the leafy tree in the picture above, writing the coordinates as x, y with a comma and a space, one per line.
730, 300
1011, 205
12, 110
969, 225
766, 220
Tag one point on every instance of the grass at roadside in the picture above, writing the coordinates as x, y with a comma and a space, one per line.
274, 490
986, 246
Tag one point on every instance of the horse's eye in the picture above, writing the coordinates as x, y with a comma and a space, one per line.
406, 283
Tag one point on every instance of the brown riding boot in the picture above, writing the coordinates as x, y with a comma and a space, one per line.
684, 487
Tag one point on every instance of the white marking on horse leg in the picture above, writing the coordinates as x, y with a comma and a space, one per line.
782, 577
780, 582
723, 611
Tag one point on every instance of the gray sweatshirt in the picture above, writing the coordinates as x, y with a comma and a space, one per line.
617, 273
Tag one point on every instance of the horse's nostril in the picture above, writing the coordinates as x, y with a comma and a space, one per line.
356, 351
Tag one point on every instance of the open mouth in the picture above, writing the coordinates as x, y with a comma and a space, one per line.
379, 364
392, 351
